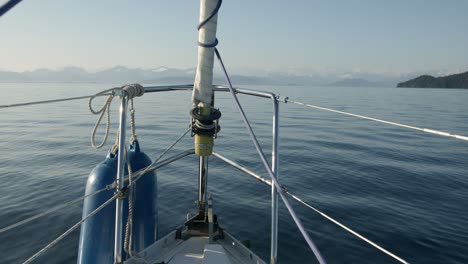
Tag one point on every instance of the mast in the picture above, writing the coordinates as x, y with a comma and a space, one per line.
204, 116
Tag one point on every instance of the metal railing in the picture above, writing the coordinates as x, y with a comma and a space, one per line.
274, 150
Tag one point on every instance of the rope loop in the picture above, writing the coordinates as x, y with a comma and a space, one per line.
131, 91
101, 112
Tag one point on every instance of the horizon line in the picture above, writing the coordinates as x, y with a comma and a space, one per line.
302, 72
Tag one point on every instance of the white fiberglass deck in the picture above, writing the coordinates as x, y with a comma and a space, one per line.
196, 249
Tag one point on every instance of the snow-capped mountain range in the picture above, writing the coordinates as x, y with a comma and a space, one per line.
166, 75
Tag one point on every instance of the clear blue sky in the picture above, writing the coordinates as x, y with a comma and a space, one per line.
303, 35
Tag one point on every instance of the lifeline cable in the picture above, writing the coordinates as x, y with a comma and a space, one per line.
267, 182
71, 229
427, 130
34, 217
51, 101
149, 168
131, 181
347, 228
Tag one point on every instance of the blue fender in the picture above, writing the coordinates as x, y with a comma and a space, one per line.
97, 233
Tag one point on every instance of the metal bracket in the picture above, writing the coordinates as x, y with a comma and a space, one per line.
122, 193
210, 219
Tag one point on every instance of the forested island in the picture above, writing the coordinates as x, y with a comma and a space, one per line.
453, 81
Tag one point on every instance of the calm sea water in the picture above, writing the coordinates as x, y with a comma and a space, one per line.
406, 190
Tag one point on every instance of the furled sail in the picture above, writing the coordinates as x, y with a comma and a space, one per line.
203, 86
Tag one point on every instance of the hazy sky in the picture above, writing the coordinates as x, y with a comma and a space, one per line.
296, 35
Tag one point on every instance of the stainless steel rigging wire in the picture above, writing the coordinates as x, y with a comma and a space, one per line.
427, 130
286, 100
267, 182
280, 191
54, 209
71, 229
137, 175
51, 101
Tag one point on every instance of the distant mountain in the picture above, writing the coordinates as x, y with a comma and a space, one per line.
355, 82
459, 80
6, 76
161, 75
117, 74
165, 75
68, 74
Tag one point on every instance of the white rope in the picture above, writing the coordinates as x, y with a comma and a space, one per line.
101, 112
49, 101
131, 91
71, 229
54, 209
132, 122
129, 225
113, 150
280, 191
134, 90
427, 130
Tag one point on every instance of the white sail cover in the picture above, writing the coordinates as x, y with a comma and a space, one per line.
203, 86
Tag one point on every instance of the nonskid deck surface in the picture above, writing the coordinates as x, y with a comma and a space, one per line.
196, 249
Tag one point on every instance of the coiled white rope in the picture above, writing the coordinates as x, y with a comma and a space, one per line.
132, 91
427, 130
101, 112
71, 229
